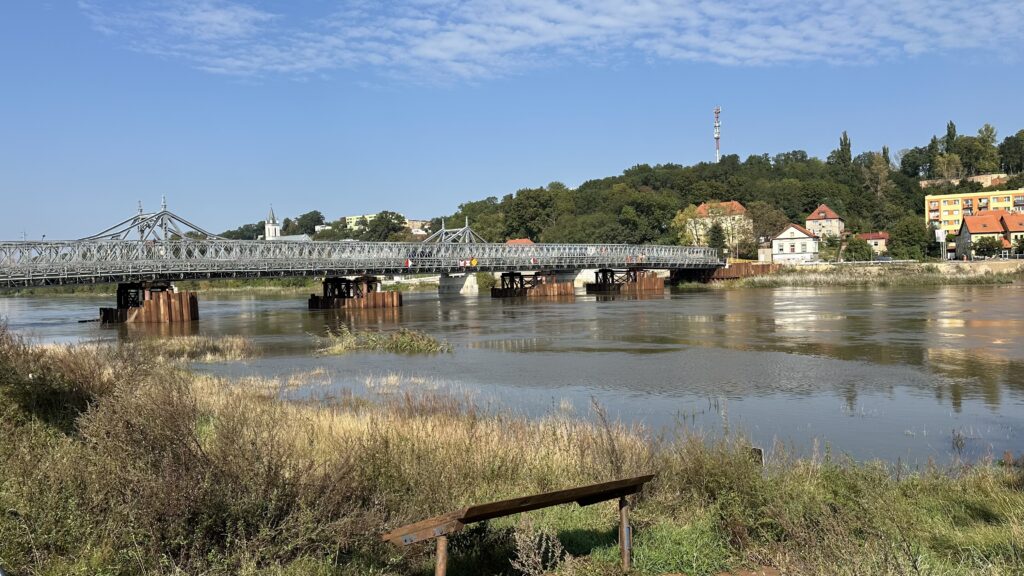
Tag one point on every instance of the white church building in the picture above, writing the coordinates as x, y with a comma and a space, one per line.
272, 231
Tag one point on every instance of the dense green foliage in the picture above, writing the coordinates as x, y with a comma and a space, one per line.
857, 250
987, 246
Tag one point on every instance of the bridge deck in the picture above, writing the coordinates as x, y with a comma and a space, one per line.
106, 261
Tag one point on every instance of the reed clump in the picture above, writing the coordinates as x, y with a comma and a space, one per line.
153, 469
402, 341
198, 348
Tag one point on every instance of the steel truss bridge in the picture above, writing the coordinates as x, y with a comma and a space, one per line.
95, 261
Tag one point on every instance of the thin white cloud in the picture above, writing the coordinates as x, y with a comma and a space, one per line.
479, 38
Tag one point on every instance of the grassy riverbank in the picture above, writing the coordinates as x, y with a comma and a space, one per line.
114, 463
871, 276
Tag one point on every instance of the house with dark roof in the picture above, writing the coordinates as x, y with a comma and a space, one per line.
824, 221
795, 244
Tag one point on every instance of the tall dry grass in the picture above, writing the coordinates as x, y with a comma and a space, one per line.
163, 471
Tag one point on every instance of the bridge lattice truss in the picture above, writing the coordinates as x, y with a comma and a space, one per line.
104, 261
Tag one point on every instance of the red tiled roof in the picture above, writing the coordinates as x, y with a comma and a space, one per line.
823, 212
983, 224
874, 236
1006, 243
519, 241
799, 228
1013, 222
730, 208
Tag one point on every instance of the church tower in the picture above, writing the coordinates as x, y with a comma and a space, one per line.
271, 229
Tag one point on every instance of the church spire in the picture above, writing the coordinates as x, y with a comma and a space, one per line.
271, 218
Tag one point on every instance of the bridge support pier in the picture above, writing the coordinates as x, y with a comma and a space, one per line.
539, 285
464, 284
153, 302
361, 292
631, 281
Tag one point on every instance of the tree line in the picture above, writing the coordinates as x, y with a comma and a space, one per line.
387, 226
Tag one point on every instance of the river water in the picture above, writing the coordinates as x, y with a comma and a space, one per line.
872, 373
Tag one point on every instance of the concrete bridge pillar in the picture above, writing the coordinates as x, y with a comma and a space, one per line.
462, 284
151, 302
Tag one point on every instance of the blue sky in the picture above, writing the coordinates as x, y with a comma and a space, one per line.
227, 106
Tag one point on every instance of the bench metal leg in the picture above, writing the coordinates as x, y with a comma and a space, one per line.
625, 535
441, 562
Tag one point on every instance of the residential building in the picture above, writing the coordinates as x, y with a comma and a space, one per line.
974, 228
354, 222
322, 227
879, 241
1013, 227
986, 180
945, 212
732, 216
824, 221
795, 244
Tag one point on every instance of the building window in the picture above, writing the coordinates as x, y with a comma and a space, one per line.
956, 202
792, 248
934, 204
803, 247
945, 202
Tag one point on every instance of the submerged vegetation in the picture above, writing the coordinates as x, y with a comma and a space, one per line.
402, 341
116, 463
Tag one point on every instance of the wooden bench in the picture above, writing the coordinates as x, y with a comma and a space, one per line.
439, 527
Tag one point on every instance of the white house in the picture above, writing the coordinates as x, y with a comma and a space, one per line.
794, 244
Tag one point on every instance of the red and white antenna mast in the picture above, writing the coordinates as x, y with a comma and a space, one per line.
718, 134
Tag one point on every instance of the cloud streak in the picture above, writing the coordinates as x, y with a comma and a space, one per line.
447, 39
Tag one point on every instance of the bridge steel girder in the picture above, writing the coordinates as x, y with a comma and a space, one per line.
30, 263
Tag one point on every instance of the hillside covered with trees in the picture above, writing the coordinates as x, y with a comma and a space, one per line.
873, 190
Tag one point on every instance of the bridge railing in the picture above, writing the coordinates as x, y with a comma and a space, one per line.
26, 263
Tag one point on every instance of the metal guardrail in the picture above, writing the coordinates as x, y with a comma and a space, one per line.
102, 261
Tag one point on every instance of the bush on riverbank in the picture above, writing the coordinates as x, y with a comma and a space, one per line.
115, 464
402, 341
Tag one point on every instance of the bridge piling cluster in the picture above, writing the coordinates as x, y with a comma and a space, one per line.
361, 292
151, 302
538, 285
631, 281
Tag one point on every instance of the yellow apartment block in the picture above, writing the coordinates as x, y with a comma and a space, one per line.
946, 211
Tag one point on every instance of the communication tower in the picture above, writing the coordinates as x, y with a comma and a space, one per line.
718, 133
